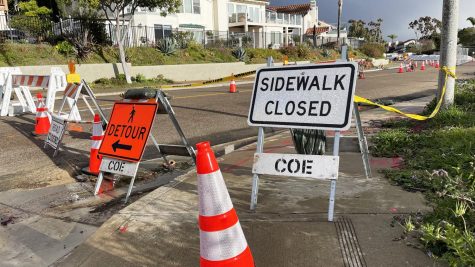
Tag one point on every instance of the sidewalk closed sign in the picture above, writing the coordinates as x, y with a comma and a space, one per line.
308, 96
128, 130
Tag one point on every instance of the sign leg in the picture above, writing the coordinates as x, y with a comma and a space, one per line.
100, 177
129, 191
158, 148
255, 177
331, 202
362, 142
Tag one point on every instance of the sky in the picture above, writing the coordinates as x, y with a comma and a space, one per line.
396, 14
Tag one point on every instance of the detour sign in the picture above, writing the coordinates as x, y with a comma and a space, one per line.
128, 130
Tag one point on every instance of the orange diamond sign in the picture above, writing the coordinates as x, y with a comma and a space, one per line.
128, 130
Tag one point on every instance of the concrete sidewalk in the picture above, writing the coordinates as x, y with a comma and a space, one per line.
289, 226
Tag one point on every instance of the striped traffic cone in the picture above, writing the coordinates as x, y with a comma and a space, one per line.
232, 86
423, 66
416, 64
222, 241
437, 65
94, 158
401, 70
42, 121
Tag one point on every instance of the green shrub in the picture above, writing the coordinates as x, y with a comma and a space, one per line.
303, 51
290, 51
140, 78
240, 54
65, 48
183, 39
375, 50
167, 46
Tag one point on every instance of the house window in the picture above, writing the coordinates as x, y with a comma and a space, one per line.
162, 31
232, 16
190, 6
276, 37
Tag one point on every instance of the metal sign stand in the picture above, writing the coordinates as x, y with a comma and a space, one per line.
336, 148
163, 150
82, 92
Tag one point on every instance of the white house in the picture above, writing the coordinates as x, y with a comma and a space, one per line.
210, 20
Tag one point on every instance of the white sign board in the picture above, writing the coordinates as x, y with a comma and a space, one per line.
305, 96
56, 131
311, 166
118, 166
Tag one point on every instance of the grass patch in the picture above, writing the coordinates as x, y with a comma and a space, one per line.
16, 54
119, 83
439, 156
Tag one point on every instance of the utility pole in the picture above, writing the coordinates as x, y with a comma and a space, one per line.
340, 4
448, 49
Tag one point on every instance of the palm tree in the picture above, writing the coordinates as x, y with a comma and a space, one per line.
392, 37
472, 20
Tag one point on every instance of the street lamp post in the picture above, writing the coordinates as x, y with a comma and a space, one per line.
340, 4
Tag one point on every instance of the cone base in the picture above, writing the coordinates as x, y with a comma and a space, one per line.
88, 171
242, 260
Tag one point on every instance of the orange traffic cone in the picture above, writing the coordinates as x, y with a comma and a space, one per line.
437, 65
232, 86
401, 70
415, 64
42, 121
361, 75
408, 68
222, 241
423, 66
94, 158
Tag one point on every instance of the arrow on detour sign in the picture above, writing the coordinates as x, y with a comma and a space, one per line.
128, 130
118, 145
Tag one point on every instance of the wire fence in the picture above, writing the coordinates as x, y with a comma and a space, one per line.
36, 29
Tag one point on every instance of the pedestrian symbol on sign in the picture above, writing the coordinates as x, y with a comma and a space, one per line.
132, 114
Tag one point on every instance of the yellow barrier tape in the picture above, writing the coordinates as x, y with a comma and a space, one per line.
449, 71
198, 84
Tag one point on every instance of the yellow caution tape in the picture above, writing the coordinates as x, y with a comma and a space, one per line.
449, 71
198, 84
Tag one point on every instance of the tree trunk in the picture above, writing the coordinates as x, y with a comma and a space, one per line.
122, 51
448, 50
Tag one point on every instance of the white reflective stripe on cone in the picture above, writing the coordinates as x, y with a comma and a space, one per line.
42, 114
95, 144
214, 197
97, 130
222, 245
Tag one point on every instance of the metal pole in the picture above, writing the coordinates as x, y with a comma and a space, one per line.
255, 177
362, 142
259, 149
340, 4
448, 49
331, 202
100, 177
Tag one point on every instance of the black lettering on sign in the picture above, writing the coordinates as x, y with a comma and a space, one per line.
302, 108
264, 82
127, 131
290, 82
302, 83
279, 84
339, 81
313, 107
277, 109
277, 165
290, 108
314, 83
269, 112
325, 84
325, 108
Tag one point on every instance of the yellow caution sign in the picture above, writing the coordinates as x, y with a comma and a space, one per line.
72, 77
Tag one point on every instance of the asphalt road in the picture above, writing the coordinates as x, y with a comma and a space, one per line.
204, 114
